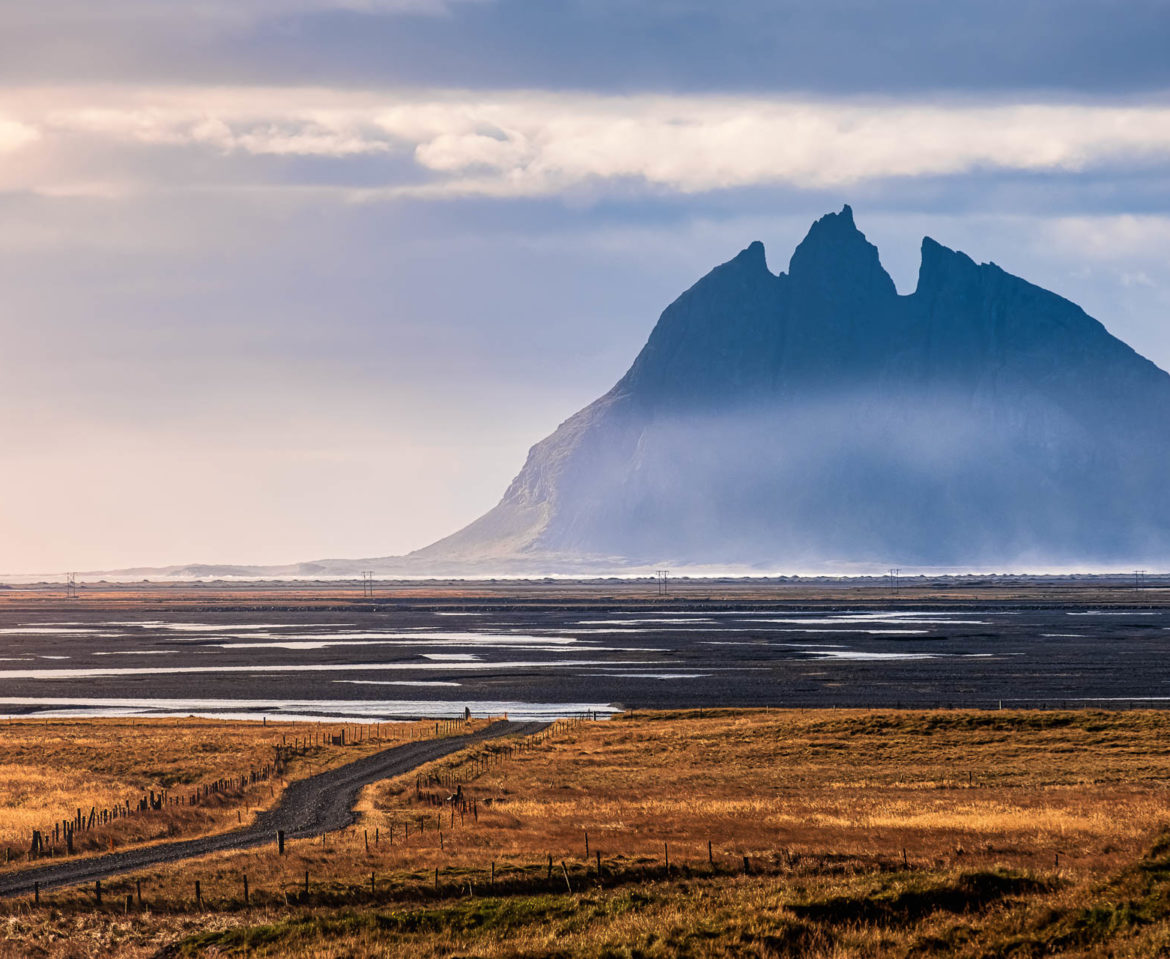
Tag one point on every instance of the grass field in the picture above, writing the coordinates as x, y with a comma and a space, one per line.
865, 834
54, 770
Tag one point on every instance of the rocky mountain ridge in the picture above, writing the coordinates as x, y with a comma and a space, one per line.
818, 417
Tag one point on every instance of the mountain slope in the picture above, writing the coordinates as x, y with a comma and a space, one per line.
817, 417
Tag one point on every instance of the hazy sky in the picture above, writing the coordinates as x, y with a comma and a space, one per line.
291, 279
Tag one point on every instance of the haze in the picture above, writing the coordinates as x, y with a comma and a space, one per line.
292, 280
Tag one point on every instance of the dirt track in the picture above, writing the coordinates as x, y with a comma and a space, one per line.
309, 807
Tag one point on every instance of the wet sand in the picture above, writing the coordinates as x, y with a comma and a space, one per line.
541, 649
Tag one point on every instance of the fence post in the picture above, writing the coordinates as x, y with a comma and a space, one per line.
280, 842
245, 889
97, 891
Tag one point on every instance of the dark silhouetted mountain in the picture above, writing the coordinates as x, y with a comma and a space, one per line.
817, 418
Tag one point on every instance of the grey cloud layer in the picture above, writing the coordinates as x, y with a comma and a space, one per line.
1088, 46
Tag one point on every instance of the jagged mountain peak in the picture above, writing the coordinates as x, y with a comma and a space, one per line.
753, 255
941, 265
836, 263
816, 417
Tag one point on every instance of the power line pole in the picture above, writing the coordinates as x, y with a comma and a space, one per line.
894, 573
368, 583
661, 576
71, 586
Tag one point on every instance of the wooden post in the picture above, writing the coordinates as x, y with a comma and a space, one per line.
710, 857
550, 867
586, 843
666, 855
565, 871
97, 891
493, 872
366, 833
905, 861
747, 868
280, 842
198, 895
306, 882
598, 863
436, 878
36, 893
138, 891
372, 889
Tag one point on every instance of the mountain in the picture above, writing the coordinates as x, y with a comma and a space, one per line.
818, 418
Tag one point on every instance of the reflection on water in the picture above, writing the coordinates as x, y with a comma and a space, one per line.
355, 710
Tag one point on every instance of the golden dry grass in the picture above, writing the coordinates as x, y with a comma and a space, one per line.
823, 803
51, 768
1007, 788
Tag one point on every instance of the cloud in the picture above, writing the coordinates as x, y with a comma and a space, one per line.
142, 12
285, 133
518, 144
839, 46
1128, 238
14, 135
696, 144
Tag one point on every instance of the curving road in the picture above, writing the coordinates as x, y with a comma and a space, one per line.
309, 807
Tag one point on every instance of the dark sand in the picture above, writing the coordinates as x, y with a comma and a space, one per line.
544, 648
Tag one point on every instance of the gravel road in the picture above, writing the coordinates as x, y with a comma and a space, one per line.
309, 807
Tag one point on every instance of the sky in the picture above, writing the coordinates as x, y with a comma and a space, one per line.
292, 279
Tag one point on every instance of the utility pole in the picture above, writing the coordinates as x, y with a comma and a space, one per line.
661, 576
368, 583
1139, 578
71, 586
894, 573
